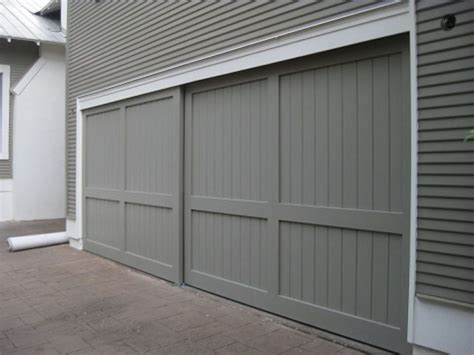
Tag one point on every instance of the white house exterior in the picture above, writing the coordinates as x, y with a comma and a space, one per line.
32, 65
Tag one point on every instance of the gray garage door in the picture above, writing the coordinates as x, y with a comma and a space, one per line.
297, 189
131, 183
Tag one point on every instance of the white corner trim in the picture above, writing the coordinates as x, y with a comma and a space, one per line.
414, 172
28, 77
5, 114
369, 24
77, 226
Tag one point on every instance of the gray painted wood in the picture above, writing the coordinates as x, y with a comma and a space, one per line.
315, 216
132, 183
129, 42
445, 257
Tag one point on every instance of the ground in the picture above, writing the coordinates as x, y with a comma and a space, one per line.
58, 300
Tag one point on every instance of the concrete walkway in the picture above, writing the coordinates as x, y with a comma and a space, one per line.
59, 300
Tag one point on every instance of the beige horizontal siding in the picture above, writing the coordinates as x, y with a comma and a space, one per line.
110, 42
445, 246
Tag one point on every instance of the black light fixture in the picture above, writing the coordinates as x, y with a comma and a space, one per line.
448, 22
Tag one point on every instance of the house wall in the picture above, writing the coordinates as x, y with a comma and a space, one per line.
445, 258
444, 304
39, 142
130, 42
19, 55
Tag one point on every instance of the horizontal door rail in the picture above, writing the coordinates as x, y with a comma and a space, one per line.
141, 198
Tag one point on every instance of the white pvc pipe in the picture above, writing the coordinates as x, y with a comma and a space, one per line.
36, 241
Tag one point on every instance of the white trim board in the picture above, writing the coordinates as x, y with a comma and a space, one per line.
22, 84
5, 114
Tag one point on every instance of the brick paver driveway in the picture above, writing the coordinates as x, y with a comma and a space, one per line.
59, 300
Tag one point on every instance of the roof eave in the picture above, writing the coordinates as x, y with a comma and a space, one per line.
37, 41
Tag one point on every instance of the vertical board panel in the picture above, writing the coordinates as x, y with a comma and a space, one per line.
229, 168
103, 222
248, 251
148, 232
353, 271
103, 150
149, 146
340, 134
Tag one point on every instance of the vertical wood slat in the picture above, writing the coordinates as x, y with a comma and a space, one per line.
322, 136
381, 134
364, 274
321, 273
274, 193
380, 264
296, 272
365, 134
308, 263
334, 268
335, 135
309, 179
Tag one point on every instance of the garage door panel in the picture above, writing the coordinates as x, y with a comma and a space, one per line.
356, 272
230, 247
227, 148
103, 150
340, 135
103, 218
132, 193
352, 326
331, 192
148, 232
149, 148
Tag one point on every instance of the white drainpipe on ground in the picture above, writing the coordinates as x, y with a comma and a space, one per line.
36, 241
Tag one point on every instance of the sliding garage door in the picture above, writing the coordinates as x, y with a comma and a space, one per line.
132, 196
297, 189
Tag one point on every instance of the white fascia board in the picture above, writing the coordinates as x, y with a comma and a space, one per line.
351, 29
5, 117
